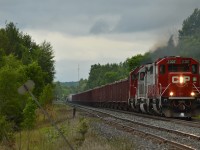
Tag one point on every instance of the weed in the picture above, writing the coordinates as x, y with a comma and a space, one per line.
82, 127
6, 132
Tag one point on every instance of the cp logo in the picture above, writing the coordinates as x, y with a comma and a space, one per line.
177, 79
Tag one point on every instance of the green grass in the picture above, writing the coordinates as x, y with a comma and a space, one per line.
77, 131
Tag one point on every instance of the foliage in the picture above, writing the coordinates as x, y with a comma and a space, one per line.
29, 118
82, 129
188, 44
82, 85
11, 77
134, 61
108, 73
12, 41
58, 91
22, 59
35, 73
47, 95
45, 60
82, 126
6, 130
69, 84
191, 26
29, 114
189, 36
63, 89
53, 134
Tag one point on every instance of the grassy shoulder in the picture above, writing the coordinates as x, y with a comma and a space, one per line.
77, 130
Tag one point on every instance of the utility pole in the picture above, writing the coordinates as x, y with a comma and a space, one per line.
78, 78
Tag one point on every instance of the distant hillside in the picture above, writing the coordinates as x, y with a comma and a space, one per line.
69, 84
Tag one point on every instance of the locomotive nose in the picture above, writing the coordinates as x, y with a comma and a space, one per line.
180, 85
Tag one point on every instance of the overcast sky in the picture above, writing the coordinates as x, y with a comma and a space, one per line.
87, 32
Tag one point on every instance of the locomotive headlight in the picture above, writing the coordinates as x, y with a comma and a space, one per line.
181, 80
192, 93
171, 93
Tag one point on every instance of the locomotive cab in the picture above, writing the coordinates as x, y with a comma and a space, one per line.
170, 87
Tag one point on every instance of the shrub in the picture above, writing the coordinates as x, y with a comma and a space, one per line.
6, 130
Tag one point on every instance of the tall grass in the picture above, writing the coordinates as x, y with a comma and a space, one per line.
77, 130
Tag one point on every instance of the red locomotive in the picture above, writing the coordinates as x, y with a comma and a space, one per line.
170, 86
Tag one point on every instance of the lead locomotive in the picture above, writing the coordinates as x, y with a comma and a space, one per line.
169, 86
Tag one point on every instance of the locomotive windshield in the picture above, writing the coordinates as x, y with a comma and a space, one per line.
178, 68
194, 69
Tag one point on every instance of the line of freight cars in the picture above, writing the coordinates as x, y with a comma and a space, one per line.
113, 95
170, 87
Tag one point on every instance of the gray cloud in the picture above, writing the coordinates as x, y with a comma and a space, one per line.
137, 22
100, 27
147, 16
79, 17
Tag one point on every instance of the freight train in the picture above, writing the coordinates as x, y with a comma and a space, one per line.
170, 86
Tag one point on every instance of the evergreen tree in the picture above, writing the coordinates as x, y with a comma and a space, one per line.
191, 26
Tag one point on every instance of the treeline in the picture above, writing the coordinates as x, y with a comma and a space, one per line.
108, 73
21, 59
64, 89
188, 45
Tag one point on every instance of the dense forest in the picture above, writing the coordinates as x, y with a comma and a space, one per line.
188, 45
21, 59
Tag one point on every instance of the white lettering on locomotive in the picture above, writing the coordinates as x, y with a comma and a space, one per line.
176, 79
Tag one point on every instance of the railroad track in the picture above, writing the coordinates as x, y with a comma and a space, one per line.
191, 123
174, 138
194, 123
154, 137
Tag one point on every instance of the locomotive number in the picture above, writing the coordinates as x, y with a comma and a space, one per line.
171, 61
176, 79
185, 61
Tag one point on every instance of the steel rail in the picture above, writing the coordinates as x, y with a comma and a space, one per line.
178, 121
